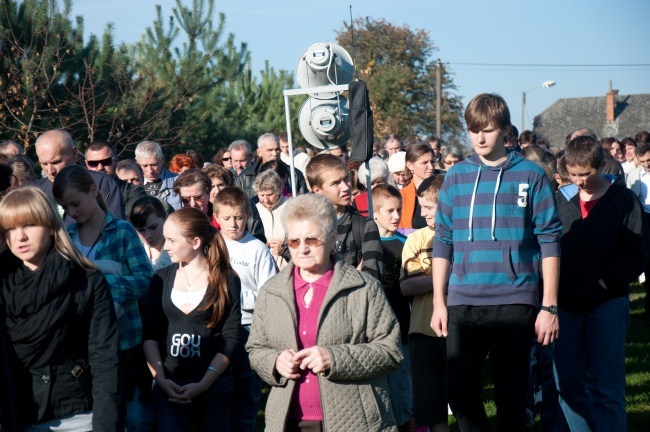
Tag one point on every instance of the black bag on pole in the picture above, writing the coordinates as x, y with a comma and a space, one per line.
361, 123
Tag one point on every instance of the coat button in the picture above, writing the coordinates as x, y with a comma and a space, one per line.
45, 379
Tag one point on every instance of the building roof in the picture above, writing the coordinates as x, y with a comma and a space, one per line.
631, 115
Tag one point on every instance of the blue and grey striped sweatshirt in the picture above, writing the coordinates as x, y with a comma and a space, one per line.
495, 223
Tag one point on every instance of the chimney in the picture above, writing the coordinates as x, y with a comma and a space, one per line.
610, 104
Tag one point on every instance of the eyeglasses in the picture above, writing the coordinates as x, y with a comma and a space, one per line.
225, 159
95, 163
197, 199
309, 241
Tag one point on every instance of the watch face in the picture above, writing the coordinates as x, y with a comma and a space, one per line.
553, 310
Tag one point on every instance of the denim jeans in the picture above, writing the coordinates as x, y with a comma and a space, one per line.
507, 333
247, 389
139, 415
208, 411
590, 365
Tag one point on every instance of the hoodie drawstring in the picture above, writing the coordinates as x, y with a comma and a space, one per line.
471, 205
494, 203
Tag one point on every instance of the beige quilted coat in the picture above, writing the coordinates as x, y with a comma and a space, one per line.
361, 334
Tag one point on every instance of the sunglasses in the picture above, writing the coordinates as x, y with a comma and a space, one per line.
225, 159
197, 199
95, 163
309, 241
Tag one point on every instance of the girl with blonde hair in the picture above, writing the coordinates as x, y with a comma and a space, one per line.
59, 318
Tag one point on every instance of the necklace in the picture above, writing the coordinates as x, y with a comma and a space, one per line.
195, 279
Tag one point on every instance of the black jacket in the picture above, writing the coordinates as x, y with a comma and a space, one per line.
9, 412
61, 327
611, 244
130, 194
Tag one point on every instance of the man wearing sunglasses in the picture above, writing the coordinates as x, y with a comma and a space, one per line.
55, 150
102, 157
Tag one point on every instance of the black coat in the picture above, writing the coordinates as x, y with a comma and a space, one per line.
610, 244
62, 331
9, 413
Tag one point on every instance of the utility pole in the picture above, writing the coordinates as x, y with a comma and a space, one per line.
438, 98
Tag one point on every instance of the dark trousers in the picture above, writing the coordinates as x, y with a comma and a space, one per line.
647, 278
506, 332
294, 425
247, 389
208, 412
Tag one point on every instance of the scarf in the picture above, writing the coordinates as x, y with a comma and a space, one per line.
37, 304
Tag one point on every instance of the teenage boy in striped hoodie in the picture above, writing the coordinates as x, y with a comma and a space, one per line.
496, 220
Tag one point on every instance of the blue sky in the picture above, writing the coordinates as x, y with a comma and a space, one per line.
551, 32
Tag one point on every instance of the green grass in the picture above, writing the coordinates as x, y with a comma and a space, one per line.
637, 368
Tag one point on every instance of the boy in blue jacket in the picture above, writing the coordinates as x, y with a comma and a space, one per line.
496, 220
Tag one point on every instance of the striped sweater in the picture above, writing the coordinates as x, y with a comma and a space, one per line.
495, 224
358, 239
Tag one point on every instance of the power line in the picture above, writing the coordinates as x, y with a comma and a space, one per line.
550, 70
547, 65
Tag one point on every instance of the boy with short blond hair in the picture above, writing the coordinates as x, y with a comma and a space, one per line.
387, 209
358, 237
428, 353
254, 264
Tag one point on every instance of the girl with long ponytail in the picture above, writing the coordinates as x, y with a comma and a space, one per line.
192, 327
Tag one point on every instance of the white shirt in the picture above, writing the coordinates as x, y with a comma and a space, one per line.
254, 264
644, 194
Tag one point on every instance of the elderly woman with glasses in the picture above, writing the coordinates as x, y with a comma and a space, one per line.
323, 334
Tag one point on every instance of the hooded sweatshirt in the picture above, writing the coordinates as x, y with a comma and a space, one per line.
495, 223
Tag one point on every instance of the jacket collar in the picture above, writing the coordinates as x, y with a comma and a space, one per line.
345, 277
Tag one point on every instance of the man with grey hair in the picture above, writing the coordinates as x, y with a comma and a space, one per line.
158, 181
393, 144
55, 150
11, 148
268, 149
240, 156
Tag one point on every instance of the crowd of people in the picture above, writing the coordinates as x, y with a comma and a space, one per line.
142, 295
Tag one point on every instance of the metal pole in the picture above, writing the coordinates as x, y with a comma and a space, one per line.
291, 171
523, 108
438, 98
369, 190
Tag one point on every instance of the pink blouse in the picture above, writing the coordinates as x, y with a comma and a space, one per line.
305, 401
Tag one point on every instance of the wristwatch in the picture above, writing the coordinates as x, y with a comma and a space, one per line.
550, 309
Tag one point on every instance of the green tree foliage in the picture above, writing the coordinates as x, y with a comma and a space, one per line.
186, 84
41, 52
397, 64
